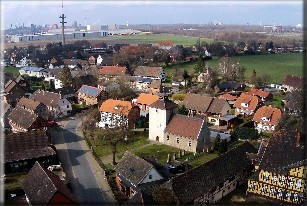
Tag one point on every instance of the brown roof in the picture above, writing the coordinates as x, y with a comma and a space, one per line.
27, 145
147, 98
155, 83
184, 126
259, 93
10, 85
28, 103
294, 81
274, 114
116, 106
197, 102
148, 71
41, 185
112, 71
217, 105
163, 103
47, 98
207, 177
133, 168
22, 117
282, 152
166, 43
251, 100
228, 96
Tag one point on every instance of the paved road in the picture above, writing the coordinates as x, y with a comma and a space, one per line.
81, 168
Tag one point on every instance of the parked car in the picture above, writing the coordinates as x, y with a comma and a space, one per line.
52, 124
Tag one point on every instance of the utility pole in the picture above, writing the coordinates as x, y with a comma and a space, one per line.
62, 17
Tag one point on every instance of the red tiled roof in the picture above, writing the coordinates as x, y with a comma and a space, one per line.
166, 43
251, 100
163, 104
228, 97
197, 102
148, 71
259, 93
112, 71
147, 98
294, 81
110, 105
184, 126
274, 114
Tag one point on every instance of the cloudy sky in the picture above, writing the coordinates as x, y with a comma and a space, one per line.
151, 12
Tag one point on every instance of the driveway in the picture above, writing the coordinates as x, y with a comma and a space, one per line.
83, 171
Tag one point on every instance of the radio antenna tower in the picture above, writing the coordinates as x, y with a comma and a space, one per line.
62, 17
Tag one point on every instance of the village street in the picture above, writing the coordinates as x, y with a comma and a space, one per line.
82, 170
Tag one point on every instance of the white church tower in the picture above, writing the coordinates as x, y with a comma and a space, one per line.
160, 113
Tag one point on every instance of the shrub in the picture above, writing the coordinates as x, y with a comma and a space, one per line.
245, 133
179, 97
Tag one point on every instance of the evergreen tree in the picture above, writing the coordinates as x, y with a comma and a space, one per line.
217, 142
253, 78
66, 77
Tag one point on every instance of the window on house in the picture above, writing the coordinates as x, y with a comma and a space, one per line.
213, 120
167, 137
190, 143
178, 140
150, 177
67, 106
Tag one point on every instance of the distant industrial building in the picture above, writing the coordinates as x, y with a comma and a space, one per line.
92, 31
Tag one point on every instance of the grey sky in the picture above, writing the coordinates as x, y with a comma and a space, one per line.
152, 12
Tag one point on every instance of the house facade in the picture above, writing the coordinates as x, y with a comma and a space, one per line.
117, 112
32, 71
23, 120
144, 100
149, 72
57, 106
187, 133
246, 104
282, 172
112, 72
267, 118
12, 92
33, 106
215, 179
132, 172
91, 95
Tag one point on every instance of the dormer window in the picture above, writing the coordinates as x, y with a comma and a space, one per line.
244, 104
265, 119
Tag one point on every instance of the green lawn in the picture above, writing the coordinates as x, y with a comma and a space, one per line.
276, 101
138, 140
276, 65
12, 70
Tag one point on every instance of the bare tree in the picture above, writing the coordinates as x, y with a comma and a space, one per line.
118, 131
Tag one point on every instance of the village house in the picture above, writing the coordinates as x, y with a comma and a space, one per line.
165, 45
57, 106
133, 171
231, 99
91, 95
215, 179
117, 112
33, 106
187, 133
160, 113
263, 95
112, 72
92, 60
74, 63
139, 84
155, 86
56, 63
143, 101
214, 110
5, 111
149, 72
282, 172
204, 75
291, 83
22, 149
43, 187
229, 86
52, 74
23, 120
32, 71
246, 104
12, 92
266, 118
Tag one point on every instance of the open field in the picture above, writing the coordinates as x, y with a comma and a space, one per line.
276, 65
132, 39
